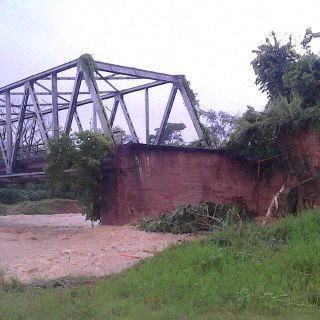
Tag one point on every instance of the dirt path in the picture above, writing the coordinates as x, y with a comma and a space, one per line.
51, 246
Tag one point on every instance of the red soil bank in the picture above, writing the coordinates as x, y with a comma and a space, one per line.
152, 179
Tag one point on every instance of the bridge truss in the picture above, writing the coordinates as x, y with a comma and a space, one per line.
42, 106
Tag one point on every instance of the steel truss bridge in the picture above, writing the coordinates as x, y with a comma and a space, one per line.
43, 105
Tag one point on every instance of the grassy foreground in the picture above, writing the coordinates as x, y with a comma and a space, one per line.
258, 273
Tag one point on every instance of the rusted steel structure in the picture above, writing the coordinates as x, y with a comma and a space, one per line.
31, 109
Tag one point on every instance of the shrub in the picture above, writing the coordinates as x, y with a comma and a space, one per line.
11, 196
36, 195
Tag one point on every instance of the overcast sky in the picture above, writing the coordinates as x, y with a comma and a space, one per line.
208, 41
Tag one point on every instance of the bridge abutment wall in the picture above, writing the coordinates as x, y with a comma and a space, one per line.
152, 179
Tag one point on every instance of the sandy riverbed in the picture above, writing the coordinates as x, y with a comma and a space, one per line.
52, 246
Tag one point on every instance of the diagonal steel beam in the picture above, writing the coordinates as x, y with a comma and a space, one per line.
193, 114
73, 100
97, 105
114, 110
128, 119
106, 81
41, 125
94, 118
19, 129
166, 115
8, 125
78, 121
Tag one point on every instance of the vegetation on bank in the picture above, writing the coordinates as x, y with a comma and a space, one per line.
291, 81
36, 198
46, 206
255, 272
15, 193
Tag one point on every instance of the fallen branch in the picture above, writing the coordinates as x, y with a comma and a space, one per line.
205, 216
273, 204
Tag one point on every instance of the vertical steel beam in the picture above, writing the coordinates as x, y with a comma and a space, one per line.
4, 154
8, 128
41, 125
193, 114
166, 115
128, 119
55, 113
147, 115
73, 101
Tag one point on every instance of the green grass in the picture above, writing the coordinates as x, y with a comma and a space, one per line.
258, 273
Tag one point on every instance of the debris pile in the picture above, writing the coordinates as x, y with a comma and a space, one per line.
205, 216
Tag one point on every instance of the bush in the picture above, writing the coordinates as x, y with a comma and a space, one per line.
11, 196
16, 193
36, 195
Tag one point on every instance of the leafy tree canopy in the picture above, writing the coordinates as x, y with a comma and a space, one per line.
219, 126
272, 60
121, 137
172, 134
303, 78
292, 83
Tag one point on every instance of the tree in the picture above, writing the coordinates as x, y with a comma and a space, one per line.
303, 78
270, 64
76, 163
281, 71
172, 134
219, 126
120, 135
